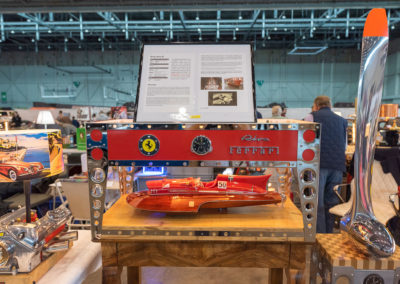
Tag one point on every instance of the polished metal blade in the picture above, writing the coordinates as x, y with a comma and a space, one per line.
361, 224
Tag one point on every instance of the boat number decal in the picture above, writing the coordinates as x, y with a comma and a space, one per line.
222, 184
149, 145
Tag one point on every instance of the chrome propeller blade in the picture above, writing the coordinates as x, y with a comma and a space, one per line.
361, 224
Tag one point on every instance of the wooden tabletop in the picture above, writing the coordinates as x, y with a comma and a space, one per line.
286, 220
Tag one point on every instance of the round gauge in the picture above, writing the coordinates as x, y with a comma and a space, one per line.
373, 279
149, 145
201, 145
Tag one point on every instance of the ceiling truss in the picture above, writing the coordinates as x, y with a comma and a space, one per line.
333, 27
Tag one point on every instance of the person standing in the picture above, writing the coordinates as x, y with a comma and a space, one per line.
75, 122
276, 112
332, 160
16, 120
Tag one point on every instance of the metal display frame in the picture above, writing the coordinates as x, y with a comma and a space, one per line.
307, 190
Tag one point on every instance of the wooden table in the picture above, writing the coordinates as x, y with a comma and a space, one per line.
269, 236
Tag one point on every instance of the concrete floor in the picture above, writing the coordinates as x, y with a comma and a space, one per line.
193, 275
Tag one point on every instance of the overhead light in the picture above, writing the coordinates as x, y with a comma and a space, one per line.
269, 37
303, 37
49, 31
23, 32
49, 47
234, 38
33, 40
110, 46
132, 39
86, 31
154, 31
154, 18
275, 29
237, 29
199, 30
285, 29
392, 27
197, 18
12, 32
283, 17
240, 17
99, 39
19, 47
79, 46
338, 36
71, 20
327, 16
28, 20
66, 39
166, 38
123, 30
112, 19
200, 38
263, 44
314, 28
161, 30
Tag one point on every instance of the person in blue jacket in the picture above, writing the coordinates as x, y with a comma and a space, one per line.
332, 159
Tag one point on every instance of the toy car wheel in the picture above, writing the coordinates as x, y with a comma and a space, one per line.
12, 175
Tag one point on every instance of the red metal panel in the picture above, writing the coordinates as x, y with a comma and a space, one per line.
175, 145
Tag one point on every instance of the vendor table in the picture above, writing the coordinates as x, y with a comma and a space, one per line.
337, 257
186, 240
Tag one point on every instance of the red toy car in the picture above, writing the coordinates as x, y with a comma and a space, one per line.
17, 169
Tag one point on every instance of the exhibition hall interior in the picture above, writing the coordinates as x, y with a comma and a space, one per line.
173, 142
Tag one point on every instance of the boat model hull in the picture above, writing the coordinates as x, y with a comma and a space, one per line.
193, 203
190, 194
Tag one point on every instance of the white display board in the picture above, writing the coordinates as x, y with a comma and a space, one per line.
196, 83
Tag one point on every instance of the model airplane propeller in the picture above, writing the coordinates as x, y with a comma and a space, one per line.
361, 223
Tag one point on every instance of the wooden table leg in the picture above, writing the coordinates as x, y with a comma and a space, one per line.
112, 274
133, 275
276, 276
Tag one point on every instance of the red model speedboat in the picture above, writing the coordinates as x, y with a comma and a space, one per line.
191, 194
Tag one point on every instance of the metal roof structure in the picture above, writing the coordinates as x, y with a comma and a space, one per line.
73, 25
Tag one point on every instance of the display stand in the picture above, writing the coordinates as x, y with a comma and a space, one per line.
277, 237
337, 257
35, 275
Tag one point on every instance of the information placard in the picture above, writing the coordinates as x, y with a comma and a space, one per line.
196, 83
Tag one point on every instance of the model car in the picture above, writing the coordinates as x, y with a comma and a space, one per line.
18, 169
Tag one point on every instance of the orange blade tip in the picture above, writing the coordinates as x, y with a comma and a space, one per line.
376, 23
